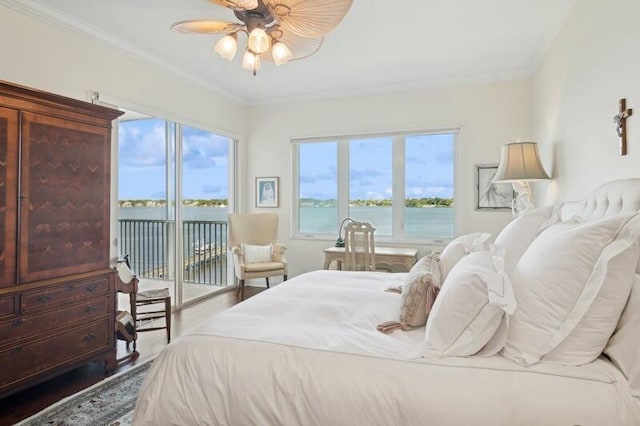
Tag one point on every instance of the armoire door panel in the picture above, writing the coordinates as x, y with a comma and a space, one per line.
8, 195
64, 215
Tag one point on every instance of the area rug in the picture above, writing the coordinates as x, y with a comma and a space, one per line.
107, 403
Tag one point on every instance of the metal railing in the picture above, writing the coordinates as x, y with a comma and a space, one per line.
150, 245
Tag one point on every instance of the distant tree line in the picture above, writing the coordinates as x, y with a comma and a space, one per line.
304, 202
410, 202
214, 202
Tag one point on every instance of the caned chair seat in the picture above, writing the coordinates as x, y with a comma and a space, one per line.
160, 302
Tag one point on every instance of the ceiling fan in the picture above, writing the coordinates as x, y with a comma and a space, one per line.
277, 30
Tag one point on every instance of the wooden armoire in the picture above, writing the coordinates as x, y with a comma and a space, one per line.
57, 299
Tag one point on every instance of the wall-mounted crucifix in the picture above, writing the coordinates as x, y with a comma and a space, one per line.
621, 124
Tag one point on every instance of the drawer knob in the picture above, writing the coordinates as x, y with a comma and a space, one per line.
91, 288
90, 309
17, 323
44, 298
89, 337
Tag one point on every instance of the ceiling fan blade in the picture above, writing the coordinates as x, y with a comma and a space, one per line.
309, 18
301, 47
237, 4
205, 27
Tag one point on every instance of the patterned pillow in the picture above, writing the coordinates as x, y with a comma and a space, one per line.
418, 294
419, 288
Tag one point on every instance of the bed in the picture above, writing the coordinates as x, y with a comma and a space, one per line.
307, 352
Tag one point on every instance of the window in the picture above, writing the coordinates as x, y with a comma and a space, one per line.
401, 183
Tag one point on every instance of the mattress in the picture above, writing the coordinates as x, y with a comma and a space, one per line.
307, 352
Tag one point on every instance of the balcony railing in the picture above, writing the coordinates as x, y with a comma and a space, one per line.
150, 245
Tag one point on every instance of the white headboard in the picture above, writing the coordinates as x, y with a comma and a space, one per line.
615, 197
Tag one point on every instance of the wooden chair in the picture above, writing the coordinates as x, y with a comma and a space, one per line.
127, 283
359, 247
146, 318
255, 229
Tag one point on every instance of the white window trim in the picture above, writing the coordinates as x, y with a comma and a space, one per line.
399, 180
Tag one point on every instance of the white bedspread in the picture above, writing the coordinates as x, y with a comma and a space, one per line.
307, 352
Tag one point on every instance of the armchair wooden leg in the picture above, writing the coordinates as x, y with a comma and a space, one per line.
167, 317
267, 278
241, 289
285, 277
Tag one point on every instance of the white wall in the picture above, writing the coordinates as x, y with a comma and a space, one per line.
49, 58
488, 116
593, 62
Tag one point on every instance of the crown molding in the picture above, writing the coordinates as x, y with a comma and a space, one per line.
47, 14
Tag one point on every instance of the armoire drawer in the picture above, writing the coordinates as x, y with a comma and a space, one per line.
7, 306
52, 296
30, 325
23, 361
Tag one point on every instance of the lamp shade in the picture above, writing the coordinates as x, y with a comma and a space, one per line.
520, 161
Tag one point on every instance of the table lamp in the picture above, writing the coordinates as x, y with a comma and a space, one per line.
340, 240
520, 164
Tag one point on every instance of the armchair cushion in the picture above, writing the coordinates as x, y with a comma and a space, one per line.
263, 266
255, 254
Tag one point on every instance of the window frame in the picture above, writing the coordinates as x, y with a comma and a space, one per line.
398, 179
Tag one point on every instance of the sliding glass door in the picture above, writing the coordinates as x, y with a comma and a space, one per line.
172, 215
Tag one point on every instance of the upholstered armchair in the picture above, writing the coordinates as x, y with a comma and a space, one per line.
256, 253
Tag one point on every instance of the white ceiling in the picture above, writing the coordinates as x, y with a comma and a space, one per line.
380, 46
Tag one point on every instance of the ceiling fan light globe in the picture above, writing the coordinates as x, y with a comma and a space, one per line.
227, 47
259, 41
281, 53
251, 61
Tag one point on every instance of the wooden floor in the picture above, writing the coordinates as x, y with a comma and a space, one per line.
28, 402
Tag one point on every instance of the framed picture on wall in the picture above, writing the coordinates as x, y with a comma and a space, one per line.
489, 195
267, 192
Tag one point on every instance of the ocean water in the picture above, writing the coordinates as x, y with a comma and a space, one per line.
420, 222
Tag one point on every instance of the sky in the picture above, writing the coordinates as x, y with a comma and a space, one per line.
142, 165
142, 162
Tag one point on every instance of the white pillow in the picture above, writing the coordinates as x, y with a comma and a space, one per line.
520, 232
623, 348
459, 248
555, 282
632, 230
256, 254
469, 308
606, 302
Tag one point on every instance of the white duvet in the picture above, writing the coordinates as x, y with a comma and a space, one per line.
307, 352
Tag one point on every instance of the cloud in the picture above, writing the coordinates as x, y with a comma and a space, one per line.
307, 179
204, 150
142, 143
415, 160
214, 189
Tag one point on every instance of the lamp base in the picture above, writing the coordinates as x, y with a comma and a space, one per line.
339, 242
524, 198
